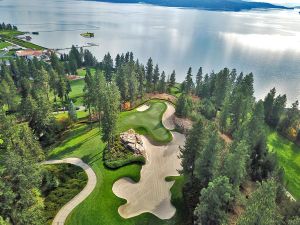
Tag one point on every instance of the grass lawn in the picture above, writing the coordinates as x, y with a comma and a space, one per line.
64, 115
82, 71
3, 44
77, 88
289, 158
101, 207
10, 35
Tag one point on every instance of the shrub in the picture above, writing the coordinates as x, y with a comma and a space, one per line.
118, 156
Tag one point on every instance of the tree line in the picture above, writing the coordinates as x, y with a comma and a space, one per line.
8, 26
215, 171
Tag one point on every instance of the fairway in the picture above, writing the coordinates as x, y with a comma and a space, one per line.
4, 44
289, 158
101, 207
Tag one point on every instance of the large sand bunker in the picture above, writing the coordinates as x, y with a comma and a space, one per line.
152, 193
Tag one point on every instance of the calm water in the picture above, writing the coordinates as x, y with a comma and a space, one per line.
266, 43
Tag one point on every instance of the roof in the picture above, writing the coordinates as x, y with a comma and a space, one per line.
29, 52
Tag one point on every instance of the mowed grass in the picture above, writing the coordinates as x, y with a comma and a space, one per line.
101, 207
10, 35
289, 158
4, 44
82, 71
147, 122
77, 88
64, 115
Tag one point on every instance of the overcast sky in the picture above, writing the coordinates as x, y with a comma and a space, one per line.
281, 2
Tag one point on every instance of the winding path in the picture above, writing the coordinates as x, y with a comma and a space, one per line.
152, 193
64, 212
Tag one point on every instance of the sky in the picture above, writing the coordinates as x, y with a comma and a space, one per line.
280, 2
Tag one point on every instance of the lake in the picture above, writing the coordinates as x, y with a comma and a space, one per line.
266, 43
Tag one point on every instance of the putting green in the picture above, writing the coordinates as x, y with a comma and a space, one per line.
147, 122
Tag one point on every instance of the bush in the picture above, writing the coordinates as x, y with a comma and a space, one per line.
61, 183
118, 156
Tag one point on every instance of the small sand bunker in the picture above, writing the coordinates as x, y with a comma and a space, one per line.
143, 108
152, 193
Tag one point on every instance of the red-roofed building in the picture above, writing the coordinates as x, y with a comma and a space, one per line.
29, 53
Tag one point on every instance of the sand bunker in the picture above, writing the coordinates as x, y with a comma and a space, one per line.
143, 108
152, 193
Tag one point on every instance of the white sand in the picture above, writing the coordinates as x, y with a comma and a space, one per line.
143, 108
152, 193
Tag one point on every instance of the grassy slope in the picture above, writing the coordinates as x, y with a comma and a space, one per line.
64, 115
82, 71
3, 44
10, 35
101, 206
289, 158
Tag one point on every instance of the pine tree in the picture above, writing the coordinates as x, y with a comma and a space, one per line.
108, 65
149, 74
111, 100
206, 164
199, 78
261, 207
72, 112
213, 204
162, 83
268, 104
172, 79
155, 77
189, 84
235, 163
21, 177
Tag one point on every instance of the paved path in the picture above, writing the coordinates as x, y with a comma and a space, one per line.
152, 193
65, 211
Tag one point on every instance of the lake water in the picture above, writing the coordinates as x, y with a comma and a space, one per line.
266, 43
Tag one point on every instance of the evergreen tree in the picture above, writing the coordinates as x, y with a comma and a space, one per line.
72, 112
133, 86
172, 79
89, 96
194, 145
149, 74
183, 106
155, 77
213, 204
261, 208
199, 78
108, 64
189, 84
235, 163
207, 162
111, 100
162, 83
268, 104
20, 176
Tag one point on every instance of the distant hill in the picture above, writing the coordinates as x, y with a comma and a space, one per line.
225, 5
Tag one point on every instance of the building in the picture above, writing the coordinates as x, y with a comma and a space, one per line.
30, 54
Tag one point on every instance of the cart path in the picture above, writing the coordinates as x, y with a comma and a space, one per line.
65, 211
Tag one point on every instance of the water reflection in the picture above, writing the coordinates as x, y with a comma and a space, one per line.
264, 42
